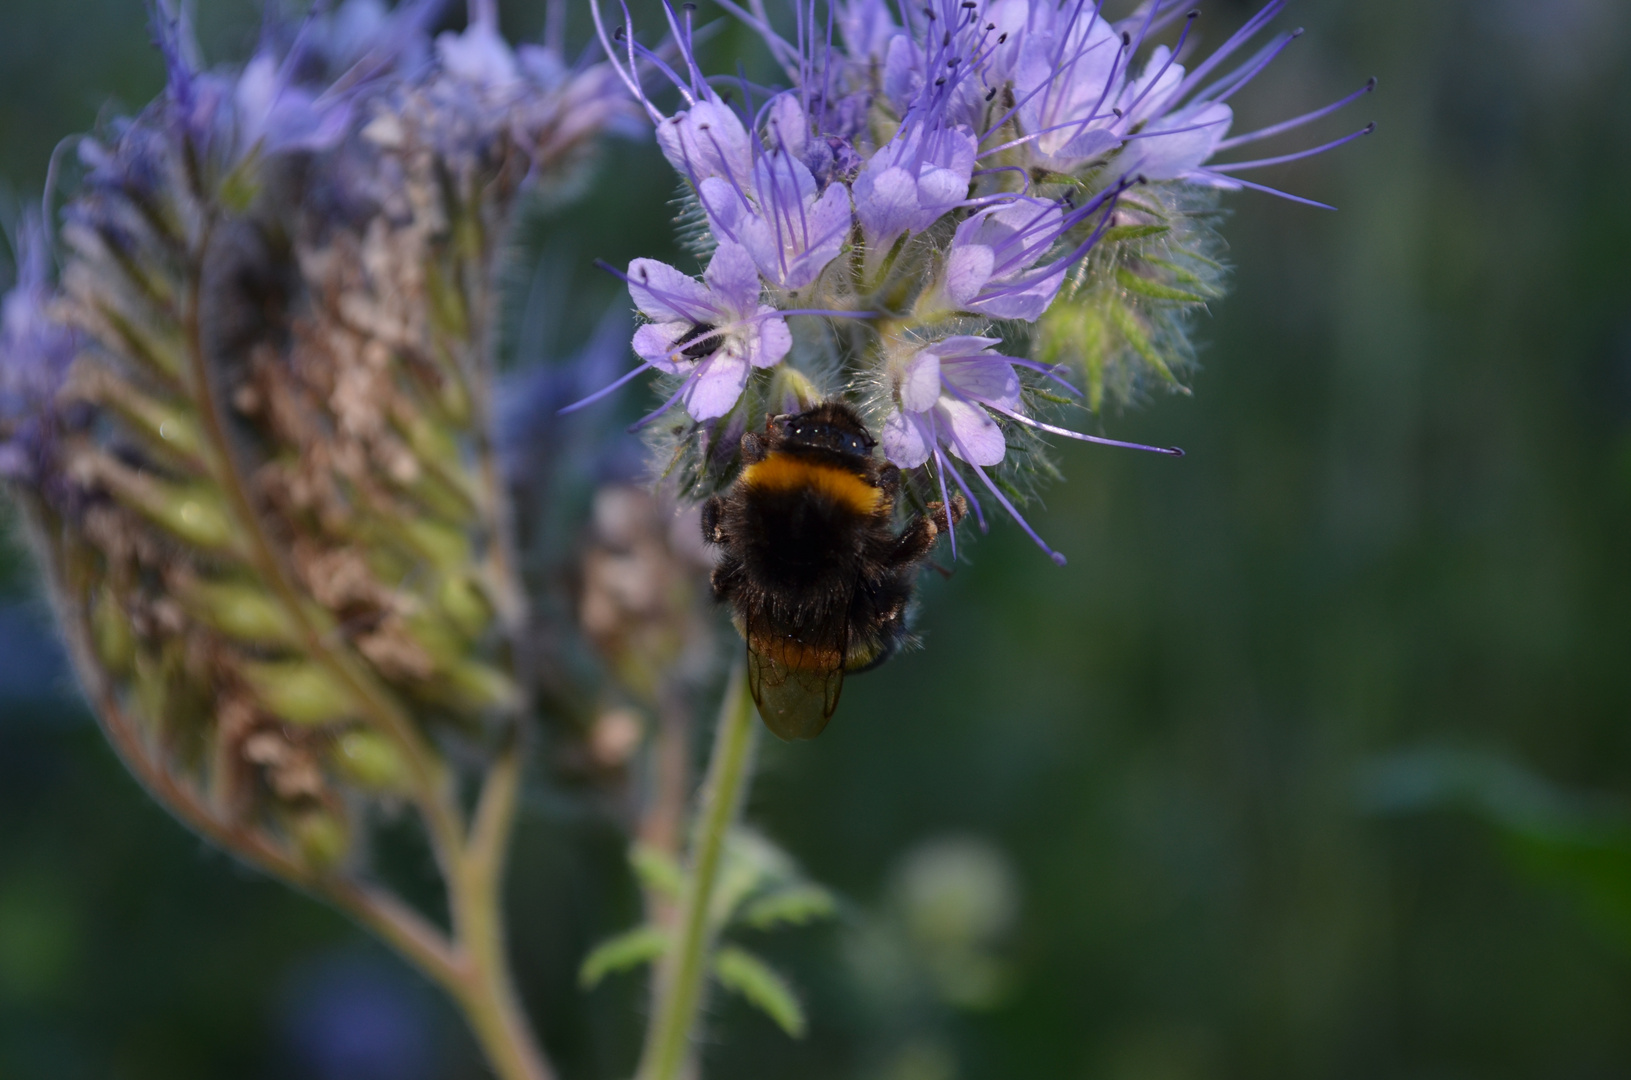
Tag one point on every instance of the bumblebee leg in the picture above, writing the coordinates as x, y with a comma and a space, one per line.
753, 448
959, 510
914, 542
712, 510
889, 481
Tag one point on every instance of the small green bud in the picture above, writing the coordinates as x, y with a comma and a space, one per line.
300, 692
478, 686
370, 760
465, 605
320, 837
192, 513
115, 645
170, 427
240, 611
448, 549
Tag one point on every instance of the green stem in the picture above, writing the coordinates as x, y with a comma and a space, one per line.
683, 975
484, 989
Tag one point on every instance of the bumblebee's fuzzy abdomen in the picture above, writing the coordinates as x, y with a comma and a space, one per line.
804, 521
800, 538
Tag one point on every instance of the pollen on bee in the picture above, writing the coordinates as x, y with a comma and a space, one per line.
787, 472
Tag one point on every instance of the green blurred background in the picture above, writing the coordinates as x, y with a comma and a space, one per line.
1314, 762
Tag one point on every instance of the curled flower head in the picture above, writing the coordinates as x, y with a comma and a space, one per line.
248, 417
931, 195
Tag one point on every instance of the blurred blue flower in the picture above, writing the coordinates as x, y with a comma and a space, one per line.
354, 1017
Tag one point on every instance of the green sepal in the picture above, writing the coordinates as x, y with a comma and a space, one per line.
740, 972
1156, 290
370, 760
447, 549
628, 950
1127, 323
241, 611
111, 636
1131, 232
479, 686
193, 513
465, 606
320, 837
300, 692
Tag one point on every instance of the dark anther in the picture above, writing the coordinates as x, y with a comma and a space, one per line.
1370, 127
695, 349
940, 81
990, 26
688, 6
1297, 33
945, 39
619, 34
1194, 14
954, 61
1002, 37
991, 93
1126, 40
1370, 83
929, 12
1142, 179
1116, 111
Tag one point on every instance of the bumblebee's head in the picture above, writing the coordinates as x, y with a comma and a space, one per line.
831, 426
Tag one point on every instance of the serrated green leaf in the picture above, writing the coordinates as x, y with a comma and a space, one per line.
792, 906
1156, 290
658, 871
627, 950
740, 972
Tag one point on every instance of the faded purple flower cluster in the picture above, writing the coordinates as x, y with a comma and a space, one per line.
931, 172
246, 408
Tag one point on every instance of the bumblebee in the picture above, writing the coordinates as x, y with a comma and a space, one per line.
817, 578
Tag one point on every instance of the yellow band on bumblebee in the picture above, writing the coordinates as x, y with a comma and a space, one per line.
786, 472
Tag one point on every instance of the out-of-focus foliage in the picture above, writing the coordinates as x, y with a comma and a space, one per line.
1402, 521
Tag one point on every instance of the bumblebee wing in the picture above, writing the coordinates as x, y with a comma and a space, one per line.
796, 680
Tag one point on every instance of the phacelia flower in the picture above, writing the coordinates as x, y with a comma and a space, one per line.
937, 191
712, 332
788, 225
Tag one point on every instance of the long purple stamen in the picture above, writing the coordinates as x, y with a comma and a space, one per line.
1298, 121
1298, 156
584, 403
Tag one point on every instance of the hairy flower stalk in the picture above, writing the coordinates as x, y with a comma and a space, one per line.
249, 424
964, 218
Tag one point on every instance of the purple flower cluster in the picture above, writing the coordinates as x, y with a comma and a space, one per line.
931, 169
35, 352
